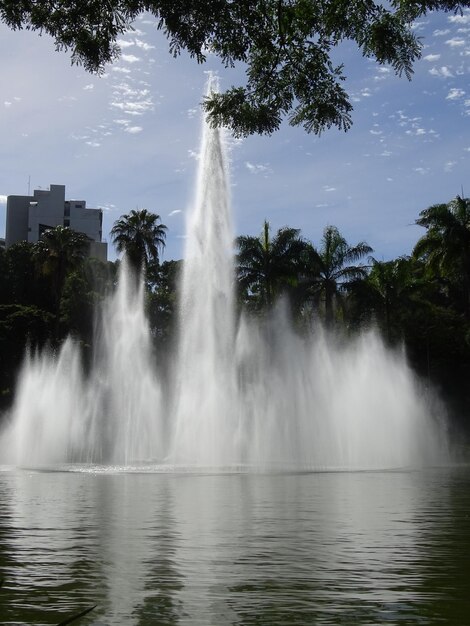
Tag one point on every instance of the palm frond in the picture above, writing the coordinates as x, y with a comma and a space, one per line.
77, 616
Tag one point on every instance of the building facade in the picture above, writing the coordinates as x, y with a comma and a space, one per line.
29, 216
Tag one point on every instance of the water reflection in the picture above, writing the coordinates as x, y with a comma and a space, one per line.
235, 549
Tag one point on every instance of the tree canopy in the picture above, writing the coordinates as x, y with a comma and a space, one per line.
331, 269
285, 45
445, 247
141, 235
267, 265
59, 251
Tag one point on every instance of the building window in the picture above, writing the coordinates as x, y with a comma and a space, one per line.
67, 210
67, 222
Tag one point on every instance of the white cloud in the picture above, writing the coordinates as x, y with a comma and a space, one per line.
455, 94
88, 87
3, 199
442, 72
143, 45
460, 19
418, 26
133, 130
121, 70
124, 43
8, 103
130, 58
383, 73
449, 166
126, 90
128, 43
175, 212
328, 188
134, 108
441, 33
257, 168
421, 170
93, 144
455, 42
432, 57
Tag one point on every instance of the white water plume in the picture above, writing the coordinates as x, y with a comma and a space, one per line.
204, 378
110, 416
245, 393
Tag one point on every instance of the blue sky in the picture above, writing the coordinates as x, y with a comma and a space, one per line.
130, 139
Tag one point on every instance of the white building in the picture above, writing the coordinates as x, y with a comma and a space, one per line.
29, 216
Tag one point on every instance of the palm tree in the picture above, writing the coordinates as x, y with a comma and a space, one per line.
391, 288
268, 265
140, 235
445, 248
330, 268
60, 251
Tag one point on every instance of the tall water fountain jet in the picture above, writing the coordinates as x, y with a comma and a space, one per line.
242, 391
204, 380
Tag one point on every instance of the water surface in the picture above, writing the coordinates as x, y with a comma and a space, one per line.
235, 548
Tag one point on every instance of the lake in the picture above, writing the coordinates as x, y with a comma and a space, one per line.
235, 548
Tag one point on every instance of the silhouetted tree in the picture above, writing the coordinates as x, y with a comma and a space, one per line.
140, 235
331, 269
269, 265
445, 248
60, 251
385, 293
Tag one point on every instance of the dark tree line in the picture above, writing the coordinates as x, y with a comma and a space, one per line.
53, 288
